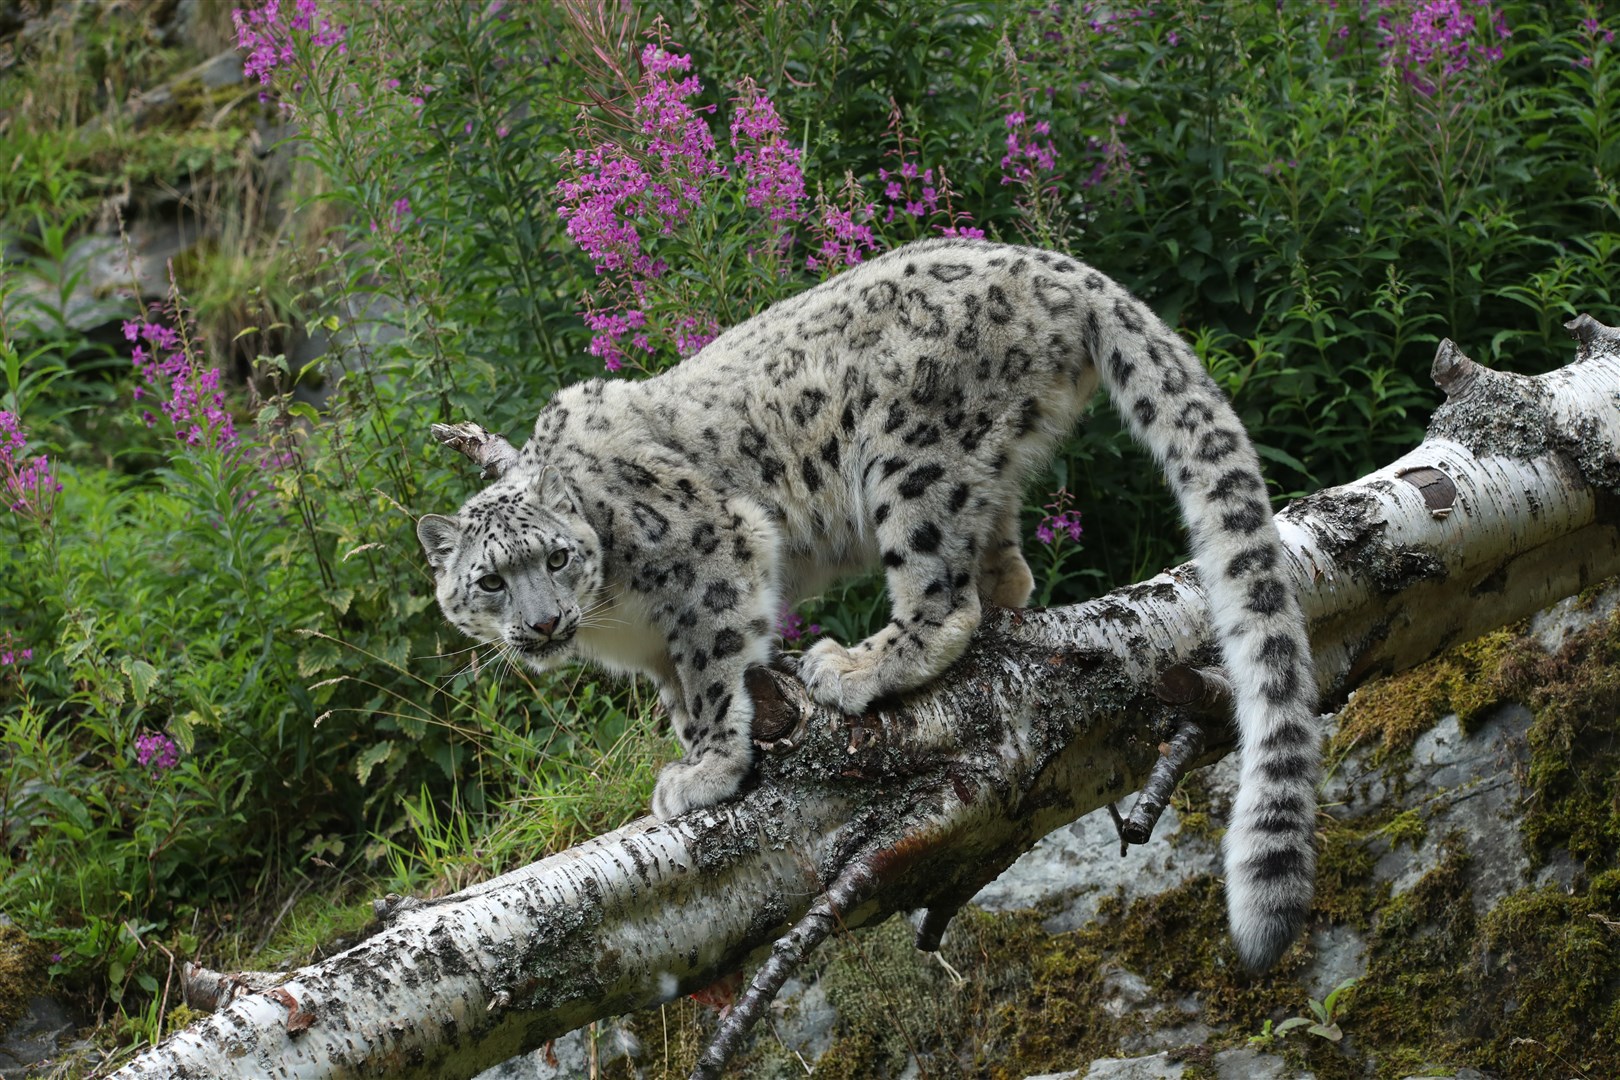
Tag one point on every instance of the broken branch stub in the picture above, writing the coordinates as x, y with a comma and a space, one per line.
490, 452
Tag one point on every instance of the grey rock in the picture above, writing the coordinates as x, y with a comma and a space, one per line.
1552, 626
1073, 868
1167, 1036
1468, 784
1127, 992
1157, 1067
1251, 1064
1337, 953
572, 1053
807, 1019
38, 1036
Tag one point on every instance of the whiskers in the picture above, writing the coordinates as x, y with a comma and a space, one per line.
481, 654
595, 614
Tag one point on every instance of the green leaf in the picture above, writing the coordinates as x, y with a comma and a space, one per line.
370, 759
1281, 457
320, 654
141, 677
1290, 1024
1330, 1032
1337, 992
183, 730
396, 653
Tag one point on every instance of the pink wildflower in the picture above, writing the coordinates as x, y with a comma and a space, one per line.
770, 164
1060, 521
193, 400
266, 33
156, 751
30, 484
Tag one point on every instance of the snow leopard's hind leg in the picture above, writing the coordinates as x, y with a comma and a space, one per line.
931, 548
1004, 576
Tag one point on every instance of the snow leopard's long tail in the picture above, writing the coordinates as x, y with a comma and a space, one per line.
1173, 407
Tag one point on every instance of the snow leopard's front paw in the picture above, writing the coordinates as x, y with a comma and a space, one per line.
839, 678
687, 784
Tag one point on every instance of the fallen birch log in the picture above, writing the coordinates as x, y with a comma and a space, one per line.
1509, 504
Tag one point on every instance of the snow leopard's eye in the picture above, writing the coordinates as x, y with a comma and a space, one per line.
491, 583
558, 559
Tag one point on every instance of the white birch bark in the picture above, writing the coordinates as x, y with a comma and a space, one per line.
1508, 505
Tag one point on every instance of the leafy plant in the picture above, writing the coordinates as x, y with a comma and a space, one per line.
1323, 1021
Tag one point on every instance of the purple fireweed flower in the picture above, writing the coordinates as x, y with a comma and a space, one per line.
266, 33
772, 177
1435, 39
156, 751
1030, 160
790, 625
846, 235
1595, 35
922, 194
692, 333
612, 329
191, 398
679, 138
1064, 524
30, 482
1060, 521
609, 188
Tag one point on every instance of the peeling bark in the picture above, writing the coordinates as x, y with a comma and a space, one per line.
1508, 505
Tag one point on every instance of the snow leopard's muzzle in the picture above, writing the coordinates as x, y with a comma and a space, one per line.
543, 637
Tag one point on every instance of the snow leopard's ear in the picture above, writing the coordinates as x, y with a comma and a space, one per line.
439, 535
555, 492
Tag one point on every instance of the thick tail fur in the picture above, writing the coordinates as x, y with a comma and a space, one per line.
1175, 408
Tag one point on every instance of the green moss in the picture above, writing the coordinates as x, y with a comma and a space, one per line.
1195, 804
1573, 784
1446, 989
22, 973
1345, 890
1469, 680
1407, 827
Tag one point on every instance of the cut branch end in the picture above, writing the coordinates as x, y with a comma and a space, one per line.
1585, 329
1453, 372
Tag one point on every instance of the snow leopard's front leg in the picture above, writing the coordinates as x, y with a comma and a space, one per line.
717, 628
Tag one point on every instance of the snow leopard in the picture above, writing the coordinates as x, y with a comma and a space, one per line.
887, 417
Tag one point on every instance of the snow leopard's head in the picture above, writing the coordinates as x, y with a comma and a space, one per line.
518, 565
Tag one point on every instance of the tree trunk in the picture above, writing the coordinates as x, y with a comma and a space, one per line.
1508, 505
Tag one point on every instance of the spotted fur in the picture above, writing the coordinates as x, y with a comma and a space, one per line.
888, 417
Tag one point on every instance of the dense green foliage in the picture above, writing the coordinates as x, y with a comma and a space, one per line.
235, 686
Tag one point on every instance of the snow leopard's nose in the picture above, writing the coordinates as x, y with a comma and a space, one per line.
545, 627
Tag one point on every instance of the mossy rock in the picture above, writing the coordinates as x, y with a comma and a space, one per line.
22, 974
